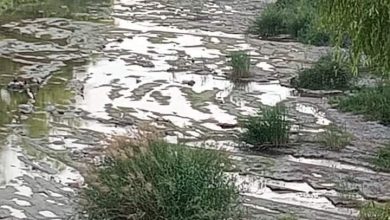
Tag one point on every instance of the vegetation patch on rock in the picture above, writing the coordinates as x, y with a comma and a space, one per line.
334, 138
151, 179
240, 62
296, 18
325, 74
373, 103
373, 211
268, 127
382, 159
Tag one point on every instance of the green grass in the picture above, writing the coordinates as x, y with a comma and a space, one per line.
240, 62
334, 138
269, 127
156, 180
288, 217
325, 74
373, 103
373, 211
297, 18
382, 159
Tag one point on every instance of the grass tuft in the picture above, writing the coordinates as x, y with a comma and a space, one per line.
269, 127
382, 160
325, 74
296, 18
373, 211
373, 103
334, 138
240, 63
151, 179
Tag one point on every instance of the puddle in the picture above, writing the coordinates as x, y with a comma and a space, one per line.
305, 197
229, 146
328, 163
320, 116
10, 166
14, 212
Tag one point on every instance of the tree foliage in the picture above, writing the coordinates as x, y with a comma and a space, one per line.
367, 25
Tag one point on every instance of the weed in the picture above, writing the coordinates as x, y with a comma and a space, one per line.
334, 138
296, 18
155, 180
325, 74
269, 127
382, 160
240, 63
373, 211
373, 103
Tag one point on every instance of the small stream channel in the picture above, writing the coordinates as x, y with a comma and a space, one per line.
108, 69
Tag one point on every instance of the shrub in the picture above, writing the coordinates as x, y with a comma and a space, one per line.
269, 127
374, 211
156, 180
373, 103
325, 74
334, 138
240, 63
269, 23
382, 160
296, 18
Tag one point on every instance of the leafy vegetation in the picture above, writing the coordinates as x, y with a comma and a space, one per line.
367, 23
150, 179
269, 127
324, 75
373, 103
373, 211
382, 160
240, 63
334, 138
297, 18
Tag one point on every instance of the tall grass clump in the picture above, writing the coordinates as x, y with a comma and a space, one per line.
268, 127
373, 103
382, 159
334, 138
373, 211
297, 18
154, 180
240, 62
325, 74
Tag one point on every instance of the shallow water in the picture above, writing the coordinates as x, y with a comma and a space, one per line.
100, 80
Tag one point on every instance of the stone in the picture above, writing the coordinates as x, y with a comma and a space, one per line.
26, 108
189, 82
227, 125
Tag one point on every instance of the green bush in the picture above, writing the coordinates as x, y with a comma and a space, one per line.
373, 103
382, 160
297, 18
334, 138
240, 62
372, 211
158, 180
269, 127
325, 74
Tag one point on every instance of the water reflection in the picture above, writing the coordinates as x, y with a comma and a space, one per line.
51, 94
75, 9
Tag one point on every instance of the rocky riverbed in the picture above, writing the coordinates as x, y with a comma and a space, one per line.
164, 63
